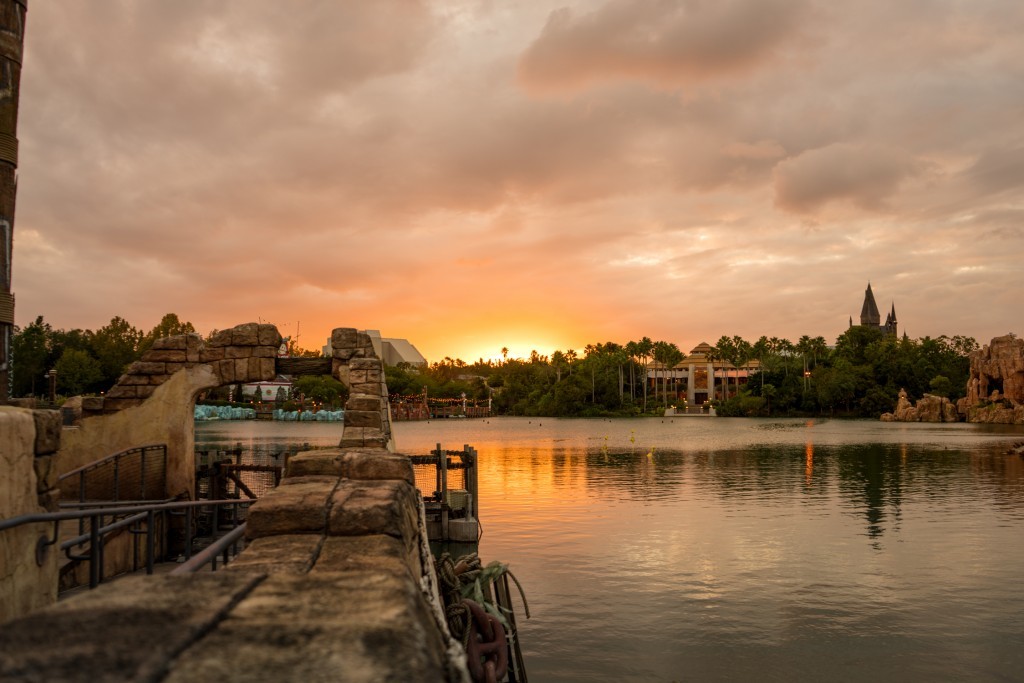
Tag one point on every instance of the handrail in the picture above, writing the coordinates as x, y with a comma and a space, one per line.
135, 513
96, 463
209, 554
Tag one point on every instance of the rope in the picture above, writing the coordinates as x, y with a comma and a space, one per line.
452, 576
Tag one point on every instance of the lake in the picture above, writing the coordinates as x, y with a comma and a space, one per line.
714, 549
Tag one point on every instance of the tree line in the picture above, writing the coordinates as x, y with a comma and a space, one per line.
859, 376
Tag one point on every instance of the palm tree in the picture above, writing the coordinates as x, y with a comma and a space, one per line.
644, 348
504, 354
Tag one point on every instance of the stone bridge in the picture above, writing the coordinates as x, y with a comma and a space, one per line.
336, 582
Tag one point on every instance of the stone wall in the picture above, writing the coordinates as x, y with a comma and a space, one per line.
367, 411
29, 440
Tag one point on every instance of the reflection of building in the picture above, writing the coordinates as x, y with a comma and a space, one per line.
870, 317
390, 351
697, 378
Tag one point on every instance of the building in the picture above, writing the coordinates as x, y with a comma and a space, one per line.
699, 377
391, 351
870, 317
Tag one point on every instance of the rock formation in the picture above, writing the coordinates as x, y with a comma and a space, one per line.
930, 408
995, 390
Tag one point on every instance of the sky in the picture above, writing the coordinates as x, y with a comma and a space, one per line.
479, 174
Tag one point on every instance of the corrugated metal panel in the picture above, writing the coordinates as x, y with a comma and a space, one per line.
6, 308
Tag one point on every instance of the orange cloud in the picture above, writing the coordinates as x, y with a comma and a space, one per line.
663, 42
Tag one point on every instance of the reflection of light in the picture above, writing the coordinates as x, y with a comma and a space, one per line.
808, 462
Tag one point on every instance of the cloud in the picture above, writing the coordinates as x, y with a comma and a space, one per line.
865, 175
663, 42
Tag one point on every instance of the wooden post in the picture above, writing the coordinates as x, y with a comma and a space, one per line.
442, 468
471, 481
12, 41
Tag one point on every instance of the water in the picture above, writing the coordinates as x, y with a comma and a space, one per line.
700, 549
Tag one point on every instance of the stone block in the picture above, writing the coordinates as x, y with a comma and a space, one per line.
342, 355
100, 631
242, 370
360, 508
157, 380
377, 552
245, 335
344, 338
255, 369
144, 392
48, 425
365, 364
369, 388
209, 355
92, 403
370, 464
299, 508
268, 368
340, 372
174, 343
364, 402
363, 418
264, 352
378, 464
238, 352
278, 554
161, 356
345, 627
357, 376
193, 347
147, 368
269, 336
225, 369
359, 437
321, 462
121, 391
46, 473
113, 405
222, 338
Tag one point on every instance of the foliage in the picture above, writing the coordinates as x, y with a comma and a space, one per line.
322, 389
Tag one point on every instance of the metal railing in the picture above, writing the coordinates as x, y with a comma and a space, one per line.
138, 473
140, 520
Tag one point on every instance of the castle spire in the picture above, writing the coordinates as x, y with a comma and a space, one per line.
869, 314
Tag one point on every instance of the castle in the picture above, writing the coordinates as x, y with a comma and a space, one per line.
870, 317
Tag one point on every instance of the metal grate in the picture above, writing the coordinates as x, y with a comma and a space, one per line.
135, 474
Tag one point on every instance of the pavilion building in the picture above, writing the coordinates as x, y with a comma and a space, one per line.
699, 377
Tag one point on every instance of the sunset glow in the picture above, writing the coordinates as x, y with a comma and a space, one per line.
474, 175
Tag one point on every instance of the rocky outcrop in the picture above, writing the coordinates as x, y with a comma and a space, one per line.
995, 390
930, 408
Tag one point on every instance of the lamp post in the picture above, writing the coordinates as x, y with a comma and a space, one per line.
52, 376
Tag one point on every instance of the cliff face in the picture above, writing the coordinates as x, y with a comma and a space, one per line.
995, 391
998, 367
930, 408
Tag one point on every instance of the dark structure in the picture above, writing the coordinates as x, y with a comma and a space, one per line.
12, 38
870, 317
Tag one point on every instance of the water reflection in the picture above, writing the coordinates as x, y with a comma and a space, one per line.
749, 550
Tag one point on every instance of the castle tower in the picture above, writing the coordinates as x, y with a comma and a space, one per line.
869, 314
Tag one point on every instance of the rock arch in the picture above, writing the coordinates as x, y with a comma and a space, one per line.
153, 402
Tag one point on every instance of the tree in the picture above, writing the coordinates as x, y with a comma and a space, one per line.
29, 355
168, 326
115, 346
76, 370
322, 389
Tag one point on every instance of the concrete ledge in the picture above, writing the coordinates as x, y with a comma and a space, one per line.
353, 463
374, 507
358, 626
378, 553
128, 631
300, 507
278, 555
